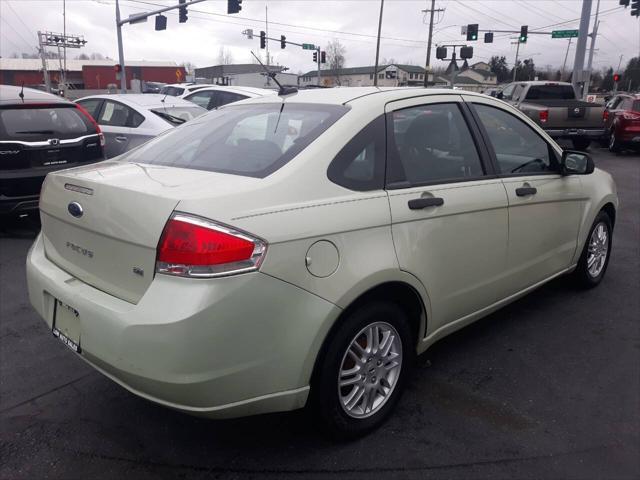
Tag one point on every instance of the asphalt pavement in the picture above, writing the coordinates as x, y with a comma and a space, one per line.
548, 387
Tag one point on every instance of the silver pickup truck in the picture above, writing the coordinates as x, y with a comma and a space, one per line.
555, 107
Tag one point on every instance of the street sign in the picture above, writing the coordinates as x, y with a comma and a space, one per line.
137, 18
564, 33
308, 46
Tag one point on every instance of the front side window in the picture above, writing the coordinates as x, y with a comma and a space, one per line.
430, 144
508, 91
249, 140
518, 148
91, 105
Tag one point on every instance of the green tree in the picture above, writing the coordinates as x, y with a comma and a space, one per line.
631, 77
498, 65
607, 80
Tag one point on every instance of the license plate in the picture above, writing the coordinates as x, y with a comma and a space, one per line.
66, 325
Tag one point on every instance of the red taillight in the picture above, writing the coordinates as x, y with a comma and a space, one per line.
629, 115
544, 116
605, 115
93, 122
195, 247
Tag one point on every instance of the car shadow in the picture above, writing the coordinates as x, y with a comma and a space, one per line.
20, 226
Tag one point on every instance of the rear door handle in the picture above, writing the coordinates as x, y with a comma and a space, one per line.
524, 191
424, 202
121, 139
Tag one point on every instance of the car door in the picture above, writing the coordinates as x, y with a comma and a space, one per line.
114, 120
449, 212
544, 206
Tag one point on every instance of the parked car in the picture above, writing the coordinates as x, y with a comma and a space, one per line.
622, 122
215, 96
152, 87
40, 133
557, 109
130, 120
182, 89
275, 253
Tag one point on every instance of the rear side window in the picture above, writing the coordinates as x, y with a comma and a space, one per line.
224, 98
201, 99
431, 144
31, 124
360, 163
249, 140
115, 114
551, 92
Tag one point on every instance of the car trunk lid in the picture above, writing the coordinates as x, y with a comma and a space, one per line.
102, 223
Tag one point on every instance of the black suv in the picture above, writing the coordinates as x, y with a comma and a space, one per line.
40, 133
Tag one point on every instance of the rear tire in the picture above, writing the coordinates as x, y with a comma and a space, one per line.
358, 380
614, 144
581, 143
594, 260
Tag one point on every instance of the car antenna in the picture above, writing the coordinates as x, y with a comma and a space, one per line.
272, 74
21, 94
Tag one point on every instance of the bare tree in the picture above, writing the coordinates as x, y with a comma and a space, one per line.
336, 58
224, 56
189, 67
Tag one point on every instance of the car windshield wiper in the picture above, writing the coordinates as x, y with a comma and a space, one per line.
168, 116
37, 131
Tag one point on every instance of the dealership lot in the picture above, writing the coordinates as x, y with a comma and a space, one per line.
548, 387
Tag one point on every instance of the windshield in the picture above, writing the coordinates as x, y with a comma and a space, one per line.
250, 140
551, 92
179, 115
31, 123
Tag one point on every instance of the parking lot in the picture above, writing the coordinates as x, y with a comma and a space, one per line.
548, 387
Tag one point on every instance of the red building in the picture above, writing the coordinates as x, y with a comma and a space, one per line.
86, 74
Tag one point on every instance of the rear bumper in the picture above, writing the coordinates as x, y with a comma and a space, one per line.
221, 348
591, 133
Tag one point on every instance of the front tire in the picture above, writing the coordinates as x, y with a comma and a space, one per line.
581, 143
595, 255
363, 371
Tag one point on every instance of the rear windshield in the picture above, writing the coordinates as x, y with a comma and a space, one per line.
179, 115
250, 140
32, 124
551, 92
173, 91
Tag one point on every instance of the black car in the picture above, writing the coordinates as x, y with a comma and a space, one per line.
40, 133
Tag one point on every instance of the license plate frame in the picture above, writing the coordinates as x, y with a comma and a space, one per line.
66, 325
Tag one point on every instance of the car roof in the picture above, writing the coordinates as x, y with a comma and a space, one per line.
251, 91
341, 96
10, 94
145, 100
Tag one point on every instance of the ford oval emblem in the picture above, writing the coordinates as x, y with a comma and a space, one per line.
75, 209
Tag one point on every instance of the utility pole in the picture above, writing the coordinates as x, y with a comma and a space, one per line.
123, 75
428, 61
266, 29
319, 58
375, 69
581, 47
43, 56
564, 64
515, 64
594, 34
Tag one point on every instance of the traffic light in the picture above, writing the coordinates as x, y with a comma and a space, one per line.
524, 32
283, 41
472, 32
616, 77
233, 6
624, 3
263, 39
315, 57
182, 12
635, 8
161, 22
323, 57
466, 52
441, 53
488, 37
117, 68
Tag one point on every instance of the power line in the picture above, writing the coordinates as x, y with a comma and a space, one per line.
19, 34
20, 19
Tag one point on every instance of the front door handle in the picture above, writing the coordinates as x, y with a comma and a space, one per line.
424, 202
524, 191
121, 139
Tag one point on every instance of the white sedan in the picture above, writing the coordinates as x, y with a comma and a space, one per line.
132, 119
302, 249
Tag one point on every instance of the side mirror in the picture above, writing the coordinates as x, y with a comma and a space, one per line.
500, 95
576, 163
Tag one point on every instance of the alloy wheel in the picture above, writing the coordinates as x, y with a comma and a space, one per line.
598, 249
370, 370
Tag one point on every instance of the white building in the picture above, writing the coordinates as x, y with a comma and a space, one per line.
388, 76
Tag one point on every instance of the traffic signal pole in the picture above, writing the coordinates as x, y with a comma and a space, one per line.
140, 17
515, 63
581, 47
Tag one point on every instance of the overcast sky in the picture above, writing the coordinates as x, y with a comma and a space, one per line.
353, 23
